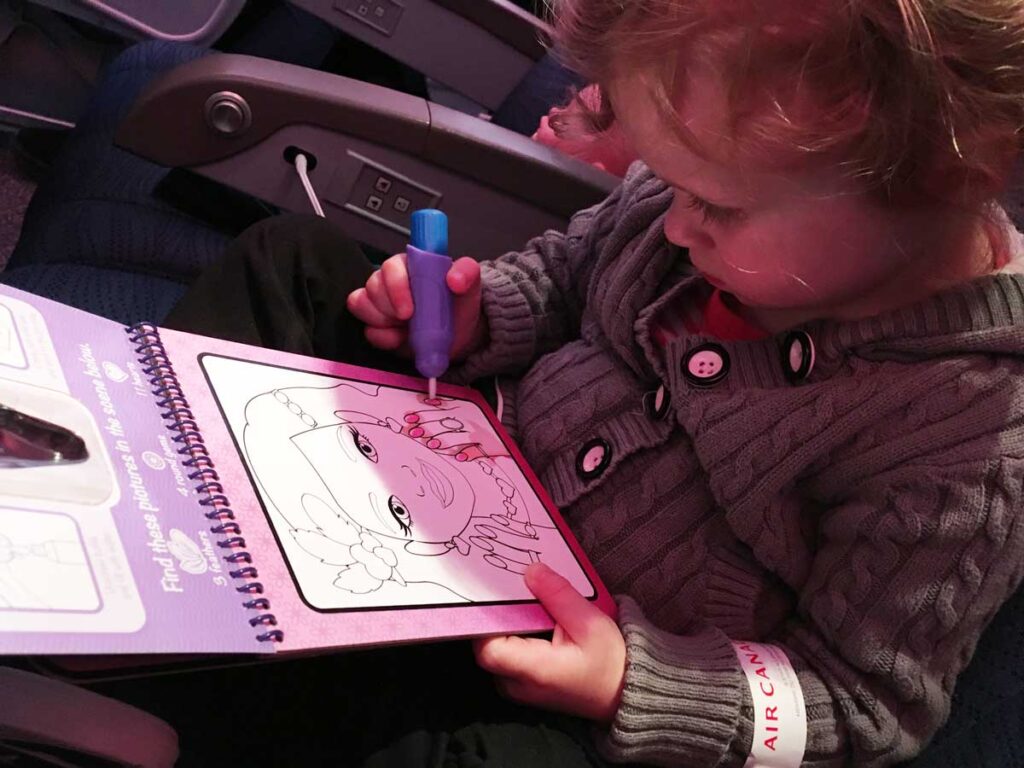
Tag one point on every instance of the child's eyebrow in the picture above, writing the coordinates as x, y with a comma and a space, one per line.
704, 199
709, 199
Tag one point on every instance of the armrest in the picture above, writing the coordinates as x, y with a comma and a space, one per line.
38, 714
378, 154
480, 48
198, 21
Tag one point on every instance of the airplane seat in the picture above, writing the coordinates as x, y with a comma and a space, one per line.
103, 214
95, 234
52, 51
45, 722
985, 728
490, 52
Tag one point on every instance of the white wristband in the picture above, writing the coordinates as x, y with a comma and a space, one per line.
780, 718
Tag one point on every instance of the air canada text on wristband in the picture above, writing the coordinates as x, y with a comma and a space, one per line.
780, 718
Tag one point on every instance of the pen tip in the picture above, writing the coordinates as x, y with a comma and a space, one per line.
432, 387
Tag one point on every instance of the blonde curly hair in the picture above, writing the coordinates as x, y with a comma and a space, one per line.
917, 99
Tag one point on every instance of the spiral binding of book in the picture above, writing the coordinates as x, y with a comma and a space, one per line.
178, 418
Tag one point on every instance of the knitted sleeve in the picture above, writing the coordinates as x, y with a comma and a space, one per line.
533, 299
903, 583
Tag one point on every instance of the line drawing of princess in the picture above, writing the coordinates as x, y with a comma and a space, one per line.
44, 574
393, 499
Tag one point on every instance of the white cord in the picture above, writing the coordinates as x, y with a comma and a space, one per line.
500, 405
301, 165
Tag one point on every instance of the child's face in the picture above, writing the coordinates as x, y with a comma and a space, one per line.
800, 241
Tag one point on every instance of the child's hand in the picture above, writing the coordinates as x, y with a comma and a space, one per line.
579, 671
385, 305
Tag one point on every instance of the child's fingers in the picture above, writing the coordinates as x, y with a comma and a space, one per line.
464, 276
378, 296
391, 339
513, 656
531, 694
395, 275
517, 690
361, 307
580, 619
464, 281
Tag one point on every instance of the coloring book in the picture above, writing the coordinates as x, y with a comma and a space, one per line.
162, 492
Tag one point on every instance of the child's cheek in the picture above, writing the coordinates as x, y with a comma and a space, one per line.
815, 265
769, 274
770, 288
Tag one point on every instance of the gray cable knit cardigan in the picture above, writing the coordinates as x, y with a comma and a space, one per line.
866, 518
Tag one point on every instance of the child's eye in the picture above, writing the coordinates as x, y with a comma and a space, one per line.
401, 514
713, 213
364, 446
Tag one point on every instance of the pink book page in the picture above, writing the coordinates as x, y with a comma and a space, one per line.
374, 514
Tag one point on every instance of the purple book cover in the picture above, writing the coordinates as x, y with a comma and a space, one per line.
112, 554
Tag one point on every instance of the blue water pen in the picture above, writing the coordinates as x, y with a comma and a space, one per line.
431, 328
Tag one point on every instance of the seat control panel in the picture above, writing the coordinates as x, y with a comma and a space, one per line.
381, 15
385, 196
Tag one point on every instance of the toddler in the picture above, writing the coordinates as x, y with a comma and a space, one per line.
773, 381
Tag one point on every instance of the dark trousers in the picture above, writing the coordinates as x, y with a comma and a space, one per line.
282, 284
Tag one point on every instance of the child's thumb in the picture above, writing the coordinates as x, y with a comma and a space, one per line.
567, 607
464, 276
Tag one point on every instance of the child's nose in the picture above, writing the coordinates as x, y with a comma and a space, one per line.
684, 227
